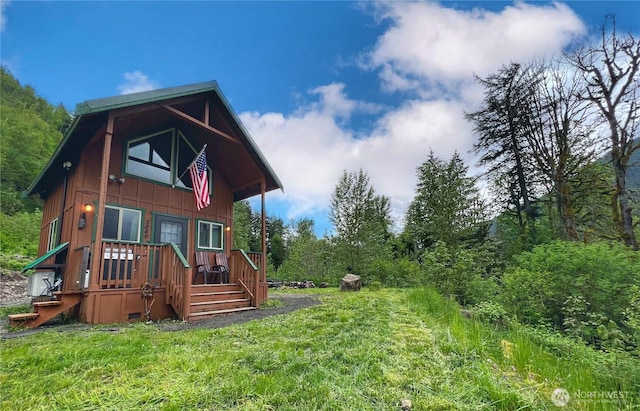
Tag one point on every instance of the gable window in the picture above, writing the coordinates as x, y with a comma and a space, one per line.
52, 240
150, 157
121, 224
209, 235
162, 157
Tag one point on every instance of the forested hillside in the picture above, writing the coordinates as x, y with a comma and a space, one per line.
31, 129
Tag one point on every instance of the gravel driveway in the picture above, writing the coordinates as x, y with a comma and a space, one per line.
290, 302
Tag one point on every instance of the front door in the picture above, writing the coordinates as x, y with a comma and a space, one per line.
170, 229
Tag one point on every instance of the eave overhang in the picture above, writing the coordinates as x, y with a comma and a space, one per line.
91, 115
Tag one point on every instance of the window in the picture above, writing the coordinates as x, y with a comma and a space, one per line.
162, 157
121, 224
209, 235
150, 157
52, 240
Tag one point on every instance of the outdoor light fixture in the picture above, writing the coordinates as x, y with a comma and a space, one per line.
228, 228
114, 179
83, 221
66, 165
88, 207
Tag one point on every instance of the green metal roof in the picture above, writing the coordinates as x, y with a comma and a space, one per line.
46, 256
152, 96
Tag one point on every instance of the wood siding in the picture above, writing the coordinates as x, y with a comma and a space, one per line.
106, 300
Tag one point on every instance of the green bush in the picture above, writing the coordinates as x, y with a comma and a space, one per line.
20, 233
572, 286
492, 313
468, 275
393, 273
375, 286
14, 262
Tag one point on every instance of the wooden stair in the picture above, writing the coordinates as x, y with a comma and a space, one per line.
208, 300
44, 311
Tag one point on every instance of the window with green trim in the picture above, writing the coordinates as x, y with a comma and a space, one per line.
52, 240
210, 235
121, 224
162, 157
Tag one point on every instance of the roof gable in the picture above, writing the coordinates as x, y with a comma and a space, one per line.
181, 105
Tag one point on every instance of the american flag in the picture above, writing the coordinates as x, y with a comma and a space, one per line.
198, 171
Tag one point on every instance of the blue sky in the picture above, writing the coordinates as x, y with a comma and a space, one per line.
322, 86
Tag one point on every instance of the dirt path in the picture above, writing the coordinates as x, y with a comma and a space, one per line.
291, 302
14, 294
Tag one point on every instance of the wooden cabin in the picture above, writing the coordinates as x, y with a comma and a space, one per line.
120, 227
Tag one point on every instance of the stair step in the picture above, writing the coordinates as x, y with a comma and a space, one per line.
239, 300
47, 303
23, 316
217, 312
212, 293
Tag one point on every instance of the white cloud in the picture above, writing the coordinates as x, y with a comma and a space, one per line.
429, 43
309, 149
136, 81
3, 17
430, 50
334, 103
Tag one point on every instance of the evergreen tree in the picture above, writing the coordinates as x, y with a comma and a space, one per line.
501, 124
361, 221
241, 225
447, 206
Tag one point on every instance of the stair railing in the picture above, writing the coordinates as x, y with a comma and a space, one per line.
246, 273
177, 272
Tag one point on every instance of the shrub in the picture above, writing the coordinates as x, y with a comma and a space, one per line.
393, 273
492, 313
375, 286
572, 286
20, 233
468, 275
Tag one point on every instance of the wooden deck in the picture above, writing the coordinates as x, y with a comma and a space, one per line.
117, 294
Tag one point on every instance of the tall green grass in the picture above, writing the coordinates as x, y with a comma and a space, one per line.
536, 361
356, 351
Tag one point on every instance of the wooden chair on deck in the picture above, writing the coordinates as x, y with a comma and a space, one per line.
221, 267
202, 266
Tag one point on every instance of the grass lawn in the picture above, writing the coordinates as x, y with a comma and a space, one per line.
356, 351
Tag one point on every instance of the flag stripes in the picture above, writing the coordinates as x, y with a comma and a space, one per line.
200, 180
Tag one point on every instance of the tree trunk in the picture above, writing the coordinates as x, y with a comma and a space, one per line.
621, 206
566, 210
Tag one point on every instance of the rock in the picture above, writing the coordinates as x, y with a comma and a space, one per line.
351, 282
13, 289
406, 405
324, 284
467, 313
308, 284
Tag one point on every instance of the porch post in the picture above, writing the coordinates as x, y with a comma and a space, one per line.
263, 266
96, 258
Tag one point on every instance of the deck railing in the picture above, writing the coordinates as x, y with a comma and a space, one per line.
256, 258
245, 272
125, 265
178, 273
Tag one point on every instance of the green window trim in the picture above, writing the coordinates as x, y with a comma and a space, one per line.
209, 235
52, 238
163, 158
127, 230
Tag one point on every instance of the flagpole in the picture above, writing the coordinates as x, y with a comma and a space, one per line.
187, 169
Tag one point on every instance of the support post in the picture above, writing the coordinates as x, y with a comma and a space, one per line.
96, 250
263, 266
